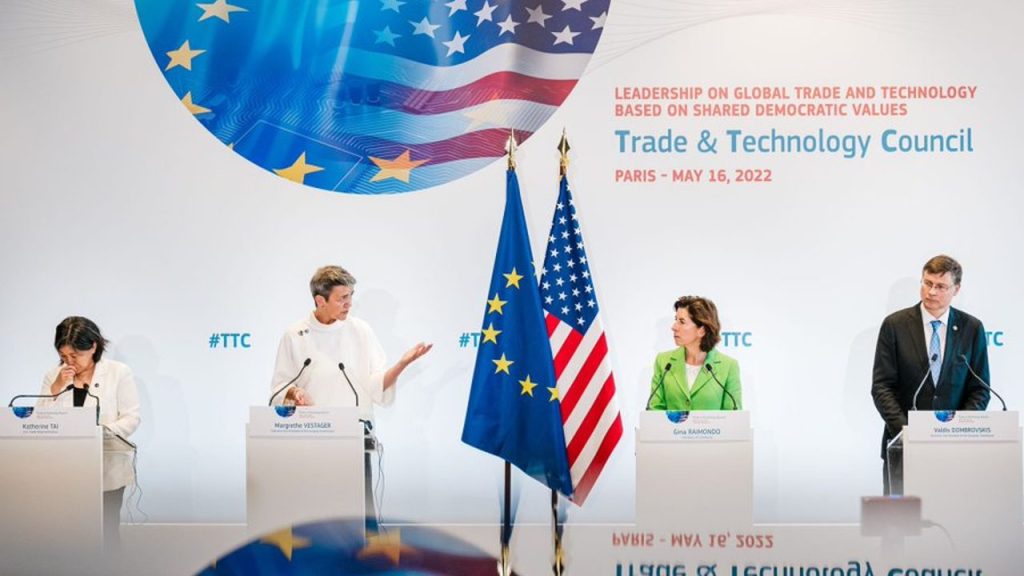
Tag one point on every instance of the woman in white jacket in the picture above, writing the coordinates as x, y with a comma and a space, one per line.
109, 383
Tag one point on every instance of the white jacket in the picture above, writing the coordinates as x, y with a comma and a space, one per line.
113, 384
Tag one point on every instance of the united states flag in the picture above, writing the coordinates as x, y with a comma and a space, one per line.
372, 96
586, 386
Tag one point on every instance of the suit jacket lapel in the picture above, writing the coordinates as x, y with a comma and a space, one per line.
703, 377
678, 372
916, 329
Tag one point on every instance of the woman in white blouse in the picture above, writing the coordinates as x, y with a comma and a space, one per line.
109, 383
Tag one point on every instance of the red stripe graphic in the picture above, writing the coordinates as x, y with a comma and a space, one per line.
497, 86
486, 143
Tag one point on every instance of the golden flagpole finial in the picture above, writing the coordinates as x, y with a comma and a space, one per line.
510, 149
563, 151
505, 566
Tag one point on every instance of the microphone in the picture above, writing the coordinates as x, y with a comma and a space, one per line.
983, 383
707, 366
341, 366
52, 396
119, 437
105, 427
290, 382
95, 397
934, 358
660, 385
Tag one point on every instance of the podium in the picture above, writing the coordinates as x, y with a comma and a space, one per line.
51, 487
966, 468
302, 464
694, 470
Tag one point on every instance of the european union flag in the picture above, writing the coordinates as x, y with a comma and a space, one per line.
513, 409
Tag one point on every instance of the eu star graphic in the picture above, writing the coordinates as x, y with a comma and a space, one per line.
513, 278
527, 386
182, 57
502, 364
495, 304
399, 168
496, 113
192, 107
298, 170
286, 541
219, 9
387, 544
490, 334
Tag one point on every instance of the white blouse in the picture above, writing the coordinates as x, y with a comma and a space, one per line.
350, 341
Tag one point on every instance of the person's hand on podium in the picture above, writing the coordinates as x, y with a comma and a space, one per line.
298, 397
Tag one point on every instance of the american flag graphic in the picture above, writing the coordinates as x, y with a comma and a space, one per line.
586, 386
375, 96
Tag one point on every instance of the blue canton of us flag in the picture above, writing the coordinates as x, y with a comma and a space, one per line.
377, 96
513, 409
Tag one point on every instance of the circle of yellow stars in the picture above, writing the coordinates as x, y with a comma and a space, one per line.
490, 335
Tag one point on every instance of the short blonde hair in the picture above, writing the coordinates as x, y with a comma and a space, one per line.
327, 277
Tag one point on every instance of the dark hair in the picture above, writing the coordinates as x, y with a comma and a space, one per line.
80, 333
941, 264
705, 315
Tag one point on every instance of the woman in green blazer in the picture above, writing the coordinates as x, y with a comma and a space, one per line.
685, 378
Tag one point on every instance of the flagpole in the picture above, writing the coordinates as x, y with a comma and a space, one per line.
506, 524
559, 566
556, 523
563, 155
506, 520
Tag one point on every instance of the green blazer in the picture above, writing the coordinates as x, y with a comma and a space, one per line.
670, 390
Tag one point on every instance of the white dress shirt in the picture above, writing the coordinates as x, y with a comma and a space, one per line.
926, 318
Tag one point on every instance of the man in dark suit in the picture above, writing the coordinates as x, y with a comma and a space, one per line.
920, 346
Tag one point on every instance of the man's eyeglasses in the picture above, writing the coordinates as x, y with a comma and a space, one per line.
940, 288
